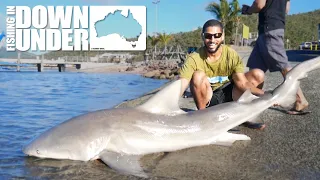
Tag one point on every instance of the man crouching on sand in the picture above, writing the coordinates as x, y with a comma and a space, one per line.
215, 72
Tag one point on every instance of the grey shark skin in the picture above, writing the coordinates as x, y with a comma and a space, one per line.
119, 137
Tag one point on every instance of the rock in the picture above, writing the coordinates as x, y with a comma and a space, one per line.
152, 74
157, 73
167, 72
162, 76
131, 68
170, 77
161, 69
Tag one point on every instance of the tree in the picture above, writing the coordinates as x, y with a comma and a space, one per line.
235, 15
226, 12
164, 40
153, 41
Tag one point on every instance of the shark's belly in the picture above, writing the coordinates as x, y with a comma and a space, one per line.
141, 142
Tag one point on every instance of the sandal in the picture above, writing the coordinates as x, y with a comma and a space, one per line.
296, 112
257, 126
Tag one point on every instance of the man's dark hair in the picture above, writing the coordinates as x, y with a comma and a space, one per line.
212, 22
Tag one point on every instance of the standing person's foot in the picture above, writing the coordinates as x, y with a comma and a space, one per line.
298, 108
252, 125
300, 104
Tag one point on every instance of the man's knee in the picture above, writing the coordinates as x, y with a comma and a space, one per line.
255, 76
198, 78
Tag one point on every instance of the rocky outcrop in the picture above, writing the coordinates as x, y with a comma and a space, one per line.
157, 69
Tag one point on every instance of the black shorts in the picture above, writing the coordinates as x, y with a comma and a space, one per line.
221, 95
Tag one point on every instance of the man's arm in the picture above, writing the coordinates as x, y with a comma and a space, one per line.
243, 84
185, 73
256, 7
288, 6
184, 85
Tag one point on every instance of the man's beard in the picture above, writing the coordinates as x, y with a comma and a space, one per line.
213, 51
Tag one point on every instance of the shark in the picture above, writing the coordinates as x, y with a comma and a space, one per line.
121, 136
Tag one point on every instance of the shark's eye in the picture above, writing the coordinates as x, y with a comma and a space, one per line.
38, 152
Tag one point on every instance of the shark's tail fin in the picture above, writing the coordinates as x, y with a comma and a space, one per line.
286, 93
301, 70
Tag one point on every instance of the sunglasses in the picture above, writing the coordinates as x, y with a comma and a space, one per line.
209, 36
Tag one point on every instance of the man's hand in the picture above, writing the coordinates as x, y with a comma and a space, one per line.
245, 9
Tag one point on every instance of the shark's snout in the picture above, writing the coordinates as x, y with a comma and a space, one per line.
32, 151
27, 150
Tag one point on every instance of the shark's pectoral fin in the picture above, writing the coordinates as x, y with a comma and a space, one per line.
227, 139
247, 97
126, 164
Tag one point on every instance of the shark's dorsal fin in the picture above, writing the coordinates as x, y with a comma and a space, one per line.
166, 101
247, 97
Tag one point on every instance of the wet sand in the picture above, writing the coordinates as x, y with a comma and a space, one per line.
288, 148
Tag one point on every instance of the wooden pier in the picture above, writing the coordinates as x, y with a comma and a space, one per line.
40, 64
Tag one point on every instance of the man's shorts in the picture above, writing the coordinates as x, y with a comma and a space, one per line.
269, 52
221, 95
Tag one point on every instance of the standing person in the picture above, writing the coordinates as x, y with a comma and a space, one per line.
215, 72
269, 52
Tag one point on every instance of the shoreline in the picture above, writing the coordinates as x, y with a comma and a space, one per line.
109, 69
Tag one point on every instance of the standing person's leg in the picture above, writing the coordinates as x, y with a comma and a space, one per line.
278, 61
257, 66
301, 102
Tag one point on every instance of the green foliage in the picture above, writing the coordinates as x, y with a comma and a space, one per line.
152, 41
187, 39
302, 27
164, 38
227, 13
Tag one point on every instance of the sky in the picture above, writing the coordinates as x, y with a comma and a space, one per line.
169, 16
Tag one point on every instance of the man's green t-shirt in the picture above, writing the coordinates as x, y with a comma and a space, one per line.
218, 72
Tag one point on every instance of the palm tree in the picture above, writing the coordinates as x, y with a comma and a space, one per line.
154, 41
164, 39
236, 10
226, 13
237, 20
